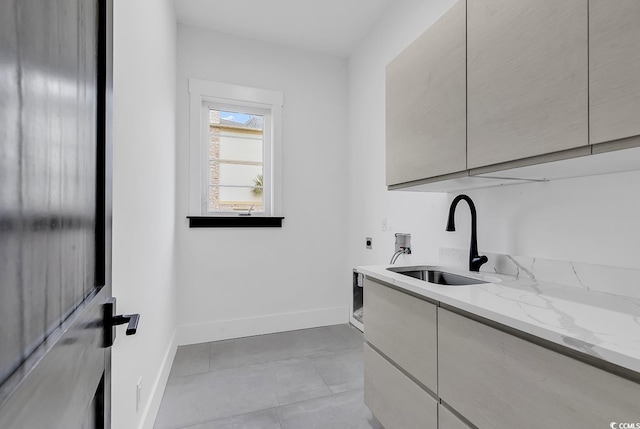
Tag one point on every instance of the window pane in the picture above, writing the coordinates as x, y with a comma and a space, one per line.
236, 151
236, 119
237, 147
238, 175
226, 198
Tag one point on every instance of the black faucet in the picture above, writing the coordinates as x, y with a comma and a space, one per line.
475, 260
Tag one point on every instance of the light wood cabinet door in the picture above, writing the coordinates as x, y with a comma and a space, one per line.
527, 78
404, 328
614, 69
393, 398
498, 381
446, 420
426, 103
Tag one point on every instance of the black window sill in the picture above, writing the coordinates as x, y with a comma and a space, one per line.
235, 222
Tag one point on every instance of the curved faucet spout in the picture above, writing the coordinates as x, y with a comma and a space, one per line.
475, 260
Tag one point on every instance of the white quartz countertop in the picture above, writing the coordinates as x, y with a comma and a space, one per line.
599, 324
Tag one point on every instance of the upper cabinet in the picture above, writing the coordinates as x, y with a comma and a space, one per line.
426, 103
537, 90
614, 69
527, 78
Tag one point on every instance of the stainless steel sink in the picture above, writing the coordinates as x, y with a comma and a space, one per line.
434, 275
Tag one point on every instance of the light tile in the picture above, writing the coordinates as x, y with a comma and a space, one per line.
191, 359
273, 347
266, 419
203, 397
200, 398
348, 334
343, 410
295, 380
341, 371
251, 377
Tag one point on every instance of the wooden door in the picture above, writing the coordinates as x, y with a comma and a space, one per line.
527, 82
55, 213
426, 134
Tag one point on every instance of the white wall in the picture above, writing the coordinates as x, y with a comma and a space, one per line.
422, 215
591, 220
237, 282
143, 204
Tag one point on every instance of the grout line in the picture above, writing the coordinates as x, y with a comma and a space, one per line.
320, 375
317, 353
278, 416
319, 397
230, 417
276, 408
308, 399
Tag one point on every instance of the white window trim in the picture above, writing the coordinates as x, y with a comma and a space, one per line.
201, 92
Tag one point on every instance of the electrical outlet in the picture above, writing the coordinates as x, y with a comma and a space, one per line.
138, 393
369, 243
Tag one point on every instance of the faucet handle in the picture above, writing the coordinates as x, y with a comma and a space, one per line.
476, 262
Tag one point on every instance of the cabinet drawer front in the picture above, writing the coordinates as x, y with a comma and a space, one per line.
404, 328
393, 398
446, 420
426, 103
498, 381
614, 69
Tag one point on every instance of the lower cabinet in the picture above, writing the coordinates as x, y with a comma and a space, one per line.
499, 381
489, 378
393, 398
404, 328
446, 420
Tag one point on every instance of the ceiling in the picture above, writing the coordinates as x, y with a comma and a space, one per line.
331, 26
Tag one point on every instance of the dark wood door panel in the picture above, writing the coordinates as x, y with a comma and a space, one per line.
55, 387
55, 212
48, 169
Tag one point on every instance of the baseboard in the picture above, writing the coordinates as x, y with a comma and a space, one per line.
153, 405
238, 328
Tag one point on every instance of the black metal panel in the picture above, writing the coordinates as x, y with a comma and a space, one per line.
235, 222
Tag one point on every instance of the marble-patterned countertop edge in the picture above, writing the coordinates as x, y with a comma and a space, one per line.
598, 324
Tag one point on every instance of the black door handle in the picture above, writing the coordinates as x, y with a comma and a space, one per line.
131, 319
111, 320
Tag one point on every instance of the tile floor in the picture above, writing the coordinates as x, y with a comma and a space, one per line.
307, 379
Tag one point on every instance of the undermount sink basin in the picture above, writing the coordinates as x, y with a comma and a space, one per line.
434, 275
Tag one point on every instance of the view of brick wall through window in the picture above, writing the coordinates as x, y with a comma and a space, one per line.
235, 162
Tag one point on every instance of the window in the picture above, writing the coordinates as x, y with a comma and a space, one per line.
235, 150
237, 141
